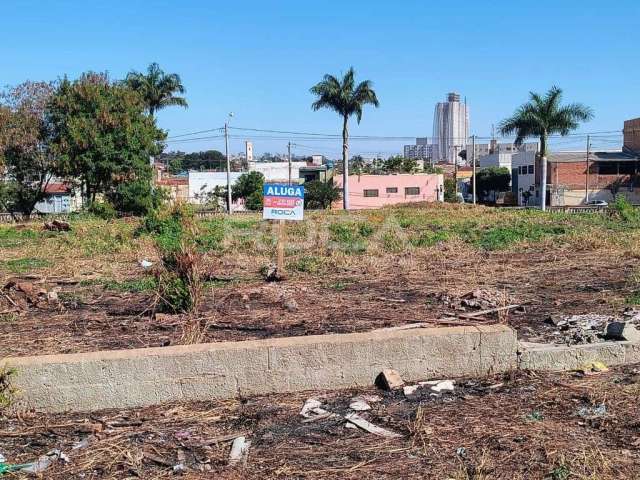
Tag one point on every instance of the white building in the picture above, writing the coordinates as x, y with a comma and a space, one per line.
450, 129
277, 171
496, 160
203, 184
420, 151
523, 178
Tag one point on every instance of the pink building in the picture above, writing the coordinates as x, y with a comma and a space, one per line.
375, 191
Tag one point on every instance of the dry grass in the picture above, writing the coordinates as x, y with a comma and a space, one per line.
476, 433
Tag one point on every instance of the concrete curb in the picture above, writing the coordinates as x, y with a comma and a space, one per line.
131, 378
542, 356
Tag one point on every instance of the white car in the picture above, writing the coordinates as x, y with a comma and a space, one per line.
597, 203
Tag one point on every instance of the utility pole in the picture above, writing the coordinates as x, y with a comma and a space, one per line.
289, 148
226, 151
473, 165
586, 187
455, 171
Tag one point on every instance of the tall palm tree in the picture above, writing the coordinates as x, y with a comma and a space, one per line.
346, 98
540, 117
157, 88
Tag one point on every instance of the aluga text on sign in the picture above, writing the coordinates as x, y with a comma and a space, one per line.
283, 202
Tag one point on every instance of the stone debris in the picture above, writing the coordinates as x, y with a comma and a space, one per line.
22, 294
289, 303
144, 263
410, 390
358, 404
443, 386
389, 379
370, 427
580, 329
477, 299
239, 451
592, 412
622, 331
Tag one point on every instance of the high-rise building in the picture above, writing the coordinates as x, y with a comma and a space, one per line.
450, 129
420, 151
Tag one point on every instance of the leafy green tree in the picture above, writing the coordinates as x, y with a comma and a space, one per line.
493, 179
357, 165
320, 195
450, 190
393, 164
345, 98
102, 136
409, 165
249, 187
158, 89
433, 169
26, 159
542, 116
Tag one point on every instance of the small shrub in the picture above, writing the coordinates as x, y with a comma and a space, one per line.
365, 230
103, 210
177, 239
392, 242
429, 238
175, 294
308, 264
350, 235
624, 210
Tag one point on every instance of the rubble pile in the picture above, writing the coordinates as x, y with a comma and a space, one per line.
19, 295
594, 328
478, 299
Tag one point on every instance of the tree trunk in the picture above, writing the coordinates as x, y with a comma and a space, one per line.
345, 163
543, 171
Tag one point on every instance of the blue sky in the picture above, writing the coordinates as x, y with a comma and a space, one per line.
259, 58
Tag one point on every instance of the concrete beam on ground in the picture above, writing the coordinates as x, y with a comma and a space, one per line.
542, 356
139, 377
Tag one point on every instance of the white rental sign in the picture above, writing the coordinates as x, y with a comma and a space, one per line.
283, 202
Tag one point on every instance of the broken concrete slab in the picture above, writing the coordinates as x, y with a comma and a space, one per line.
389, 379
622, 331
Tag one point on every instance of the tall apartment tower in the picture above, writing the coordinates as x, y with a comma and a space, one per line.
450, 129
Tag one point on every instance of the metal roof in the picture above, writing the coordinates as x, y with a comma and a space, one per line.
581, 156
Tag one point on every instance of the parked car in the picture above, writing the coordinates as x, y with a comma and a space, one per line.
597, 203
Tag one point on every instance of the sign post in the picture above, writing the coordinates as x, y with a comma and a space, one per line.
282, 202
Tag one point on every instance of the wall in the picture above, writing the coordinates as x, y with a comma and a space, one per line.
496, 160
206, 182
277, 171
570, 178
632, 135
429, 185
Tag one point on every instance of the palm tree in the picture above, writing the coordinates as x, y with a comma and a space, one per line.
157, 88
345, 98
540, 117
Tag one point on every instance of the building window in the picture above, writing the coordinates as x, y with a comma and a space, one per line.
412, 190
627, 168
371, 193
530, 169
392, 189
610, 168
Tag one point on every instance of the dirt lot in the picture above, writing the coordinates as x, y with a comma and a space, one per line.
517, 426
346, 274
